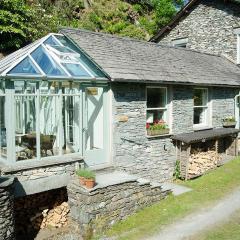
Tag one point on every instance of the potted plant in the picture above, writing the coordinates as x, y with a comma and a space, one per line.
81, 174
229, 122
86, 177
159, 127
90, 179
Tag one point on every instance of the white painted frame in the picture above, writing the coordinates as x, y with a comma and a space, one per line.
206, 108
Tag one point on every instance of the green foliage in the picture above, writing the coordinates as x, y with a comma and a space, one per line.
177, 173
20, 23
88, 174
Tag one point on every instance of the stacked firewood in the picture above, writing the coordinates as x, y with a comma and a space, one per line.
56, 217
201, 162
38, 211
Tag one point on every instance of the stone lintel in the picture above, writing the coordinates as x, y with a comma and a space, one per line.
40, 185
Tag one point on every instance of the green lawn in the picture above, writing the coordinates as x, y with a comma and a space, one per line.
226, 231
206, 190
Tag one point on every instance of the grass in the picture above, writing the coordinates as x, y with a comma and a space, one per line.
223, 231
206, 190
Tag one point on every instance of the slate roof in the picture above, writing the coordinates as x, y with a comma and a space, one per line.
205, 135
125, 59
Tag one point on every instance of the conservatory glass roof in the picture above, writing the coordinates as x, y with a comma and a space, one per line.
53, 56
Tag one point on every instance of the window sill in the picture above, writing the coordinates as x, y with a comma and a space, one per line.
160, 136
200, 128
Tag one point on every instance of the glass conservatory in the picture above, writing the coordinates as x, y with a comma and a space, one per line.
53, 102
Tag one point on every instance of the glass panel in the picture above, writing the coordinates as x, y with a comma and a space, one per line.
76, 70
47, 64
25, 128
51, 41
156, 97
200, 97
154, 116
49, 125
85, 60
199, 115
3, 138
94, 106
63, 49
25, 67
71, 124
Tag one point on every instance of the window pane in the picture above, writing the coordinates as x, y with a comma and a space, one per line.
49, 125
199, 115
76, 70
71, 123
51, 41
156, 97
25, 67
47, 64
154, 116
3, 138
25, 128
200, 97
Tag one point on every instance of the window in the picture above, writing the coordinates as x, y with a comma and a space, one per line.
182, 42
200, 98
47, 119
156, 122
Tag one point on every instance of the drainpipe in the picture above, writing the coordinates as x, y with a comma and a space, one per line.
237, 32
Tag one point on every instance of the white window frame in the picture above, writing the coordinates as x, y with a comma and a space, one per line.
206, 121
165, 109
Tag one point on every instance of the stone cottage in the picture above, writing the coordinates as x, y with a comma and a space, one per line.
204, 25
80, 98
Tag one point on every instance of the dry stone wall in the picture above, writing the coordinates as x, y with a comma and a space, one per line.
7, 221
97, 209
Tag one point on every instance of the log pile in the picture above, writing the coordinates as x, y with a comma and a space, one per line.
38, 211
201, 162
56, 217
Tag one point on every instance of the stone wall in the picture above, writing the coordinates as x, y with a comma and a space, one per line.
223, 104
34, 176
97, 209
7, 222
209, 28
155, 157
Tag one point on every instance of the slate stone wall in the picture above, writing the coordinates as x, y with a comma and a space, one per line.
155, 157
209, 28
39, 169
223, 104
97, 209
7, 222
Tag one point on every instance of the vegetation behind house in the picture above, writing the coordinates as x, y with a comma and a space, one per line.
23, 21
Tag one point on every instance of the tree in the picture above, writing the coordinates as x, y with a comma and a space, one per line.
21, 24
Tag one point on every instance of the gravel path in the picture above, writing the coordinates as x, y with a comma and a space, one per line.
201, 220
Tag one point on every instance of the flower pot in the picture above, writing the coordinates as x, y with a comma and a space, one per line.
157, 132
82, 180
89, 183
229, 124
